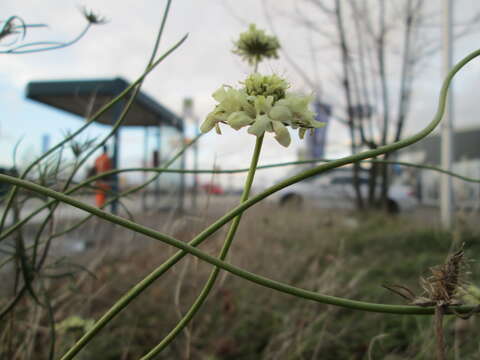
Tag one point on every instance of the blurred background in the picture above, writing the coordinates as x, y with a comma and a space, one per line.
404, 89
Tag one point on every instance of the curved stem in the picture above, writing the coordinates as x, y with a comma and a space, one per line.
275, 165
210, 171
51, 45
113, 130
18, 224
188, 248
200, 171
99, 113
118, 122
214, 274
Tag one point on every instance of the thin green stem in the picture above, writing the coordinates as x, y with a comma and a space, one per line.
50, 45
132, 190
20, 223
188, 248
160, 33
114, 129
282, 164
210, 171
105, 108
223, 253
51, 209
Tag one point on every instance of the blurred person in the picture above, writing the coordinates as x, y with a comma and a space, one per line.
103, 163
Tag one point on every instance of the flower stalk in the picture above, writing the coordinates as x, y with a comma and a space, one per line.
215, 272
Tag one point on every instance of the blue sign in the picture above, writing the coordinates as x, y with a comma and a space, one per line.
316, 142
45, 143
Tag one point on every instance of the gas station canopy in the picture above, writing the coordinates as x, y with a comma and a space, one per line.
85, 97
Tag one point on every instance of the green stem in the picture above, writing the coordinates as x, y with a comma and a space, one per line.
209, 171
49, 45
282, 164
214, 274
29, 274
114, 129
132, 190
105, 108
188, 248
18, 224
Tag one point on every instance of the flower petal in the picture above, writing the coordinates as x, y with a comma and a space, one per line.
220, 94
263, 105
208, 124
239, 119
281, 133
260, 125
280, 113
317, 124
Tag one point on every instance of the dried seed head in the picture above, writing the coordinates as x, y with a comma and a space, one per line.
445, 281
93, 18
445, 286
14, 25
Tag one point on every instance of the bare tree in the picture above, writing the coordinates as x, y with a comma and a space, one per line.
380, 48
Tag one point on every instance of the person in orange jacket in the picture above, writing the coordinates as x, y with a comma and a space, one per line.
102, 164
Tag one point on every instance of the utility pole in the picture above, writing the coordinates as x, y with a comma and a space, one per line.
188, 114
446, 194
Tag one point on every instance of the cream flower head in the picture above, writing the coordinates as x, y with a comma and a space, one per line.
254, 45
263, 104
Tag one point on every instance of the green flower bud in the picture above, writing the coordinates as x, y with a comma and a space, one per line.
273, 85
254, 45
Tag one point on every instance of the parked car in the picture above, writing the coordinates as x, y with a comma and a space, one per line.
212, 189
335, 190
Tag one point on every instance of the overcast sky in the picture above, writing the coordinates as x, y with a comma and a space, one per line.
203, 63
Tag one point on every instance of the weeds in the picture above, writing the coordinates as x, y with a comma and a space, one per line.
284, 327
295, 252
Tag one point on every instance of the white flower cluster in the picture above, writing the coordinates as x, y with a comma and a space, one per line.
264, 105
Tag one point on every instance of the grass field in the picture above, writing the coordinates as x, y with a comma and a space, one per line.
332, 252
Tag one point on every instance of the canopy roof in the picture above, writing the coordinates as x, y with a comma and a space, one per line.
85, 97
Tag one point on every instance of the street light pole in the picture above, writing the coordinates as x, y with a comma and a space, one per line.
446, 195
195, 164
